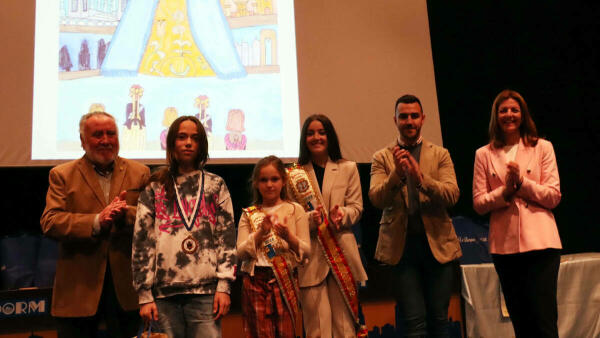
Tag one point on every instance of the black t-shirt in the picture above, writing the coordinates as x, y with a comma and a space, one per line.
320, 173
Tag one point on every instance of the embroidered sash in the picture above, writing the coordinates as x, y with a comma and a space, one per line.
282, 269
301, 185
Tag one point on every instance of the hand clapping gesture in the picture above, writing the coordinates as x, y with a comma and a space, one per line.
271, 222
406, 165
264, 228
280, 228
317, 215
513, 180
399, 161
336, 215
112, 212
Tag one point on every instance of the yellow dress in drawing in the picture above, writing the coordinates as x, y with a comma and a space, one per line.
171, 50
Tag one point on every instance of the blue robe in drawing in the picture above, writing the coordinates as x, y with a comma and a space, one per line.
208, 26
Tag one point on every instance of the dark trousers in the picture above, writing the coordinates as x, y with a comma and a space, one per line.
529, 282
423, 288
119, 323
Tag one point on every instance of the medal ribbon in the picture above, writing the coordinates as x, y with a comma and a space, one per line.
305, 195
281, 269
189, 222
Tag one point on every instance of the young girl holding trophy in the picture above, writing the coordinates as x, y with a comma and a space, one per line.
273, 239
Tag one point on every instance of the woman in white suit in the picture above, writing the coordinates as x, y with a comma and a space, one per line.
325, 312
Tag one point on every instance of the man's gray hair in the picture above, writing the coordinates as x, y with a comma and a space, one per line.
85, 117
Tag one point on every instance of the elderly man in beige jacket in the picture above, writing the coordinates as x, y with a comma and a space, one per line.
89, 210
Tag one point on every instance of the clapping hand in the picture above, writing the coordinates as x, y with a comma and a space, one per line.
513, 174
264, 228
399, 161
317, 215
336, 215
407, 165
512, 180
112, 212
281, 229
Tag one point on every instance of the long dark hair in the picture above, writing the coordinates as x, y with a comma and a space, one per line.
166, 174
278, 164
527, 128
333, 144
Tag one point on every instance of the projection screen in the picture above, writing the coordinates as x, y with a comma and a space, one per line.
252, 71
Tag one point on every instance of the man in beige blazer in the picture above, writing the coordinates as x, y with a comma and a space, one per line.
413, 181
90, 211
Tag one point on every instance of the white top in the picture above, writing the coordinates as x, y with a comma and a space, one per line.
511, 152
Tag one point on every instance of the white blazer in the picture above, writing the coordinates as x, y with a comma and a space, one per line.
341, 186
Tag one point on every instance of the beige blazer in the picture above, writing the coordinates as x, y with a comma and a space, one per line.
341, 186
525, 223
439, 191
73, 200
297, 223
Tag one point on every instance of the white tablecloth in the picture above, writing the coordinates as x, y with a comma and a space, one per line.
578, 299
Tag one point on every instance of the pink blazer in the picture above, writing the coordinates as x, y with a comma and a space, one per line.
525, 223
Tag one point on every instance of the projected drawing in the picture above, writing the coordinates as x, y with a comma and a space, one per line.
84, 56
64, 61
240, 8
170, 115
133, 134
215, 59
186, 39
94, 107
235, 140
201, 102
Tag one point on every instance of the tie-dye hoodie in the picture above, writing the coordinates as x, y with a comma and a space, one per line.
161, 267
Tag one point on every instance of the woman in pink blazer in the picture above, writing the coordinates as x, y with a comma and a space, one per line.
337, 183
516, 180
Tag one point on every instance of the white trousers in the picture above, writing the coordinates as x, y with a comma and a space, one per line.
324, 311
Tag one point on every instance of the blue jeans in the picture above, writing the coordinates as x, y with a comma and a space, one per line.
423, 290
188, 316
